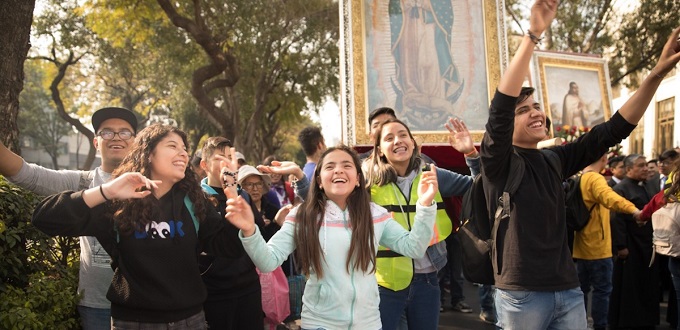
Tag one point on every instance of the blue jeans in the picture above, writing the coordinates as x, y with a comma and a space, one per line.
486, 293
674, 268
453, 271
420, 300
598, 275
94, 318
523, 310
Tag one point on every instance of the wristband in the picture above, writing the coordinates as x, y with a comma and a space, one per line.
535, 39
101, 190
474, 151
658, 75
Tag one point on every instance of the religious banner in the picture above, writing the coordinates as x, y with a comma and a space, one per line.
573, 90
429, 60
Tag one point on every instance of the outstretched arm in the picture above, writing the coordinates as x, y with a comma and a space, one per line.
542, 13
10, 163
289, 168
635, 107
123, 187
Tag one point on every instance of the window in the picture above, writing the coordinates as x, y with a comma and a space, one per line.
636, 139
665, 114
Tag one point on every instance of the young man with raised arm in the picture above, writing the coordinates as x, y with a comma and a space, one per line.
537, 283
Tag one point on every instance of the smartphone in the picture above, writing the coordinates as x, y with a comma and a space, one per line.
425, 168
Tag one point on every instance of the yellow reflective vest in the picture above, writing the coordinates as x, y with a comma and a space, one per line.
394, 271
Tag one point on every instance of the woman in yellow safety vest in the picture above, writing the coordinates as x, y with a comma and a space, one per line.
393, 171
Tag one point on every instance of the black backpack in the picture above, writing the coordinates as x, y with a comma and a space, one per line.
578, 213
477, 234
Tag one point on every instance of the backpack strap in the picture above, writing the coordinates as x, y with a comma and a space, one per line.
190, 206
515, 174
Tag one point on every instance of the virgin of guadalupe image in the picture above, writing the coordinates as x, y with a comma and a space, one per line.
427, 82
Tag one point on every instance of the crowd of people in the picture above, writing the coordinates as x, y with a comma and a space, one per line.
169, 242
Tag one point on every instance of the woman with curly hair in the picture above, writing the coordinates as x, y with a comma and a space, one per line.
153, 219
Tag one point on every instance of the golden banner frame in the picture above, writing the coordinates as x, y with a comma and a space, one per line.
354, 103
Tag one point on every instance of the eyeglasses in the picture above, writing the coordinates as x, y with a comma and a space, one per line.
123, 135
251, 185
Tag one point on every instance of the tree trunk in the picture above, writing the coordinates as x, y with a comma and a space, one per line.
15, 28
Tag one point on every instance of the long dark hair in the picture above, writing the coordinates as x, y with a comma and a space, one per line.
135, 214
378, 169
310, 215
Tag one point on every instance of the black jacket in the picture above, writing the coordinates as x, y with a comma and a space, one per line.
157, 277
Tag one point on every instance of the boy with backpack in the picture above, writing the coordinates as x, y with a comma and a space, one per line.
593, 242
536, 281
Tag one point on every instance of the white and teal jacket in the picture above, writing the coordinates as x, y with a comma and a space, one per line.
342, 300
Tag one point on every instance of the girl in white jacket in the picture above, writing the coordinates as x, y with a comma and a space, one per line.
336, 232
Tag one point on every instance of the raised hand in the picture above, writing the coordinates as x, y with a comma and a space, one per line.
229, 171
127, 186
670, 55
428, 186
239, 213
281, 214
459, 136
542, 14
282, 167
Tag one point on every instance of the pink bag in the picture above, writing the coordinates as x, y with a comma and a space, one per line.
275, 301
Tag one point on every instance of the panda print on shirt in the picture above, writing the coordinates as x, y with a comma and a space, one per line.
161, 230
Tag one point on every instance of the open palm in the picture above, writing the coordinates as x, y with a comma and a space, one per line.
459, 136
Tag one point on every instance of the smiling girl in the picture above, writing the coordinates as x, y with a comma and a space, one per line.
409, 284
147, 218
336, 232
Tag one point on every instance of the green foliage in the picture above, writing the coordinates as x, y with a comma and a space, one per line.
640, 39
48, 302
38, 275
580, 26
630, 38
286, 53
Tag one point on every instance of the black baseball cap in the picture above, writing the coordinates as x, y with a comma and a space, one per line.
379, 111
103, 114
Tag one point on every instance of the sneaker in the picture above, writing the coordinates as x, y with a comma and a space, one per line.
441, 308
487, 317
462, 307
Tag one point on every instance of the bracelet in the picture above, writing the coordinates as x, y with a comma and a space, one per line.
657, 75
227, 185
230, 173
536, 40
101, 190
474, 151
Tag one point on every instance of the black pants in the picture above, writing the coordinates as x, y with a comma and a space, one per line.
244, 312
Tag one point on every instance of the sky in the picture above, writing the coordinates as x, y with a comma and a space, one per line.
330, 122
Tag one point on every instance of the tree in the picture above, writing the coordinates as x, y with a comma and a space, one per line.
15, 27
38, 119
640, 39
69, 39
256, 64
630, 39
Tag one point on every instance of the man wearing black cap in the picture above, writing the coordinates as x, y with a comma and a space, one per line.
115, 129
